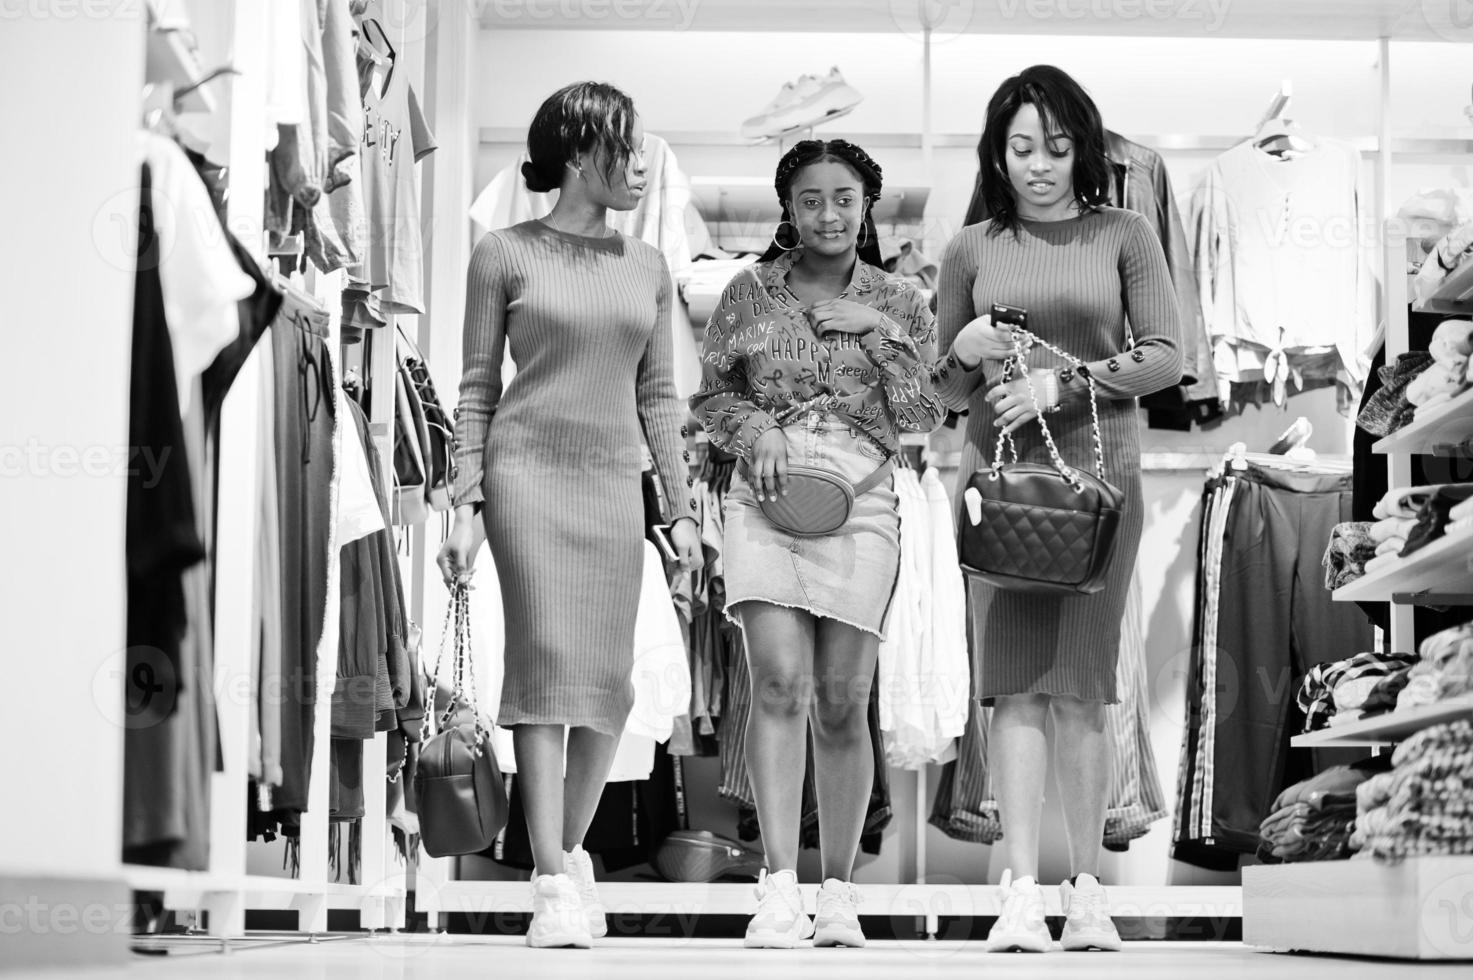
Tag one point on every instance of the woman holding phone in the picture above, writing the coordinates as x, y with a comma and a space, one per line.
1055, 255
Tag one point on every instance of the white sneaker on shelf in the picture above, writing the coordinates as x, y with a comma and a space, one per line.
1087, 922
837, 922
1021, 927
557, 914
760, 125
779, 922
815, 100
580, 868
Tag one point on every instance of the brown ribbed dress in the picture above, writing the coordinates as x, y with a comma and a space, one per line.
1079, 279
556, 456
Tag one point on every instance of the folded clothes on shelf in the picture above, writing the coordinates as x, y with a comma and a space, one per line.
1444, 670
1320, 693
1432, 518
1392, 527
1424, 805
1388, 408
1383, 696
1312, 820
1404, 502
1351, 546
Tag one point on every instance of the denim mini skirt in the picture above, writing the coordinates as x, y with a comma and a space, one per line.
848, 575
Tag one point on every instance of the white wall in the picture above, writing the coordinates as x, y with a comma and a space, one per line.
70, 201
709, 82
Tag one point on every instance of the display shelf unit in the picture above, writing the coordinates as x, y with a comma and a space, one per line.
1413, 909
1387, 729
1443, 568
1455, 295
1446, 430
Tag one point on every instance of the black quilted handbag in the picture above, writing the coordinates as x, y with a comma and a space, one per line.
1044, 529
460, 794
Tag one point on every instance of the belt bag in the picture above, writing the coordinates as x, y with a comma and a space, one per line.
1044, 529
818, 501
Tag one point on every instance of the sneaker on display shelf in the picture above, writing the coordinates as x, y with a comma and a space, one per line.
837, 923
779, 922
1087, 922
760, 126
557, 914
816, 100
1021, 927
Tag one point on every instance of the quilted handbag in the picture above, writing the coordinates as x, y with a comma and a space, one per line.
460, 795
1045, 529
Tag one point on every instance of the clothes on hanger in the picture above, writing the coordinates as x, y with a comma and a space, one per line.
924, 673
1264, 619
1286, 291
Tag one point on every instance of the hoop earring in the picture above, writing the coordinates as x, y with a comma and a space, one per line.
863, 233
778, 230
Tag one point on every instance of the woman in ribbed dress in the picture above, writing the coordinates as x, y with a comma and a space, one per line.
1080, 269
815, 357
548, 472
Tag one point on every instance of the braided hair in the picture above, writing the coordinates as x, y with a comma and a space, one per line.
807, 152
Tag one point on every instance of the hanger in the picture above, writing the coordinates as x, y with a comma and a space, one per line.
1300, 459
203, 80
1277, 135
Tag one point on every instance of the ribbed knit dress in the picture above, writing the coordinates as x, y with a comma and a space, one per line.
556, 460
1079, 279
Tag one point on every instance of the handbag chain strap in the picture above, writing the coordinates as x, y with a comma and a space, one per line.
458, 623
1023, 342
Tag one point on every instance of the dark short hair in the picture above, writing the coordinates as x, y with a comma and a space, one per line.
575, 119
805, 153
1063, 106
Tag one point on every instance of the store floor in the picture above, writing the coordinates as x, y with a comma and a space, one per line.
438, 958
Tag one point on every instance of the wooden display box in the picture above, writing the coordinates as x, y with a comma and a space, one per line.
1420, 908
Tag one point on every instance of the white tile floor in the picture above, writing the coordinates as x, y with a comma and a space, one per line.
467, 957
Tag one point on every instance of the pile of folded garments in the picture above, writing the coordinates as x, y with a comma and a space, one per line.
1313, 820
1420, 380
1424, 805
1351, 547
1410, 518
1340, 689
1444, 670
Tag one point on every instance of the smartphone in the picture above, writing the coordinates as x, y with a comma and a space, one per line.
1013, 315
660, 535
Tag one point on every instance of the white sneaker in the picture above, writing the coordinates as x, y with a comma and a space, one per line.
1020, 928
1087, 924
837, 922
580, 868
760, 125
557, 914
815, 100
780, 922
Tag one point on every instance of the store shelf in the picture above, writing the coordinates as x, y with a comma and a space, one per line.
1455, 295
1389, 728
1444, 567
1446, 430
1415, 909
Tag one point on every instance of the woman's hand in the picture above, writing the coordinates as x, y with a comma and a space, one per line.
686, 537
458, 554
768, 469
980, 341
844, 316
1014, 404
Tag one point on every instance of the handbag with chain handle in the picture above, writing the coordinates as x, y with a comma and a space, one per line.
1044, 529
460, 794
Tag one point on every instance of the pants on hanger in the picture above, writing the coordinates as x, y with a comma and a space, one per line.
1267, 619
